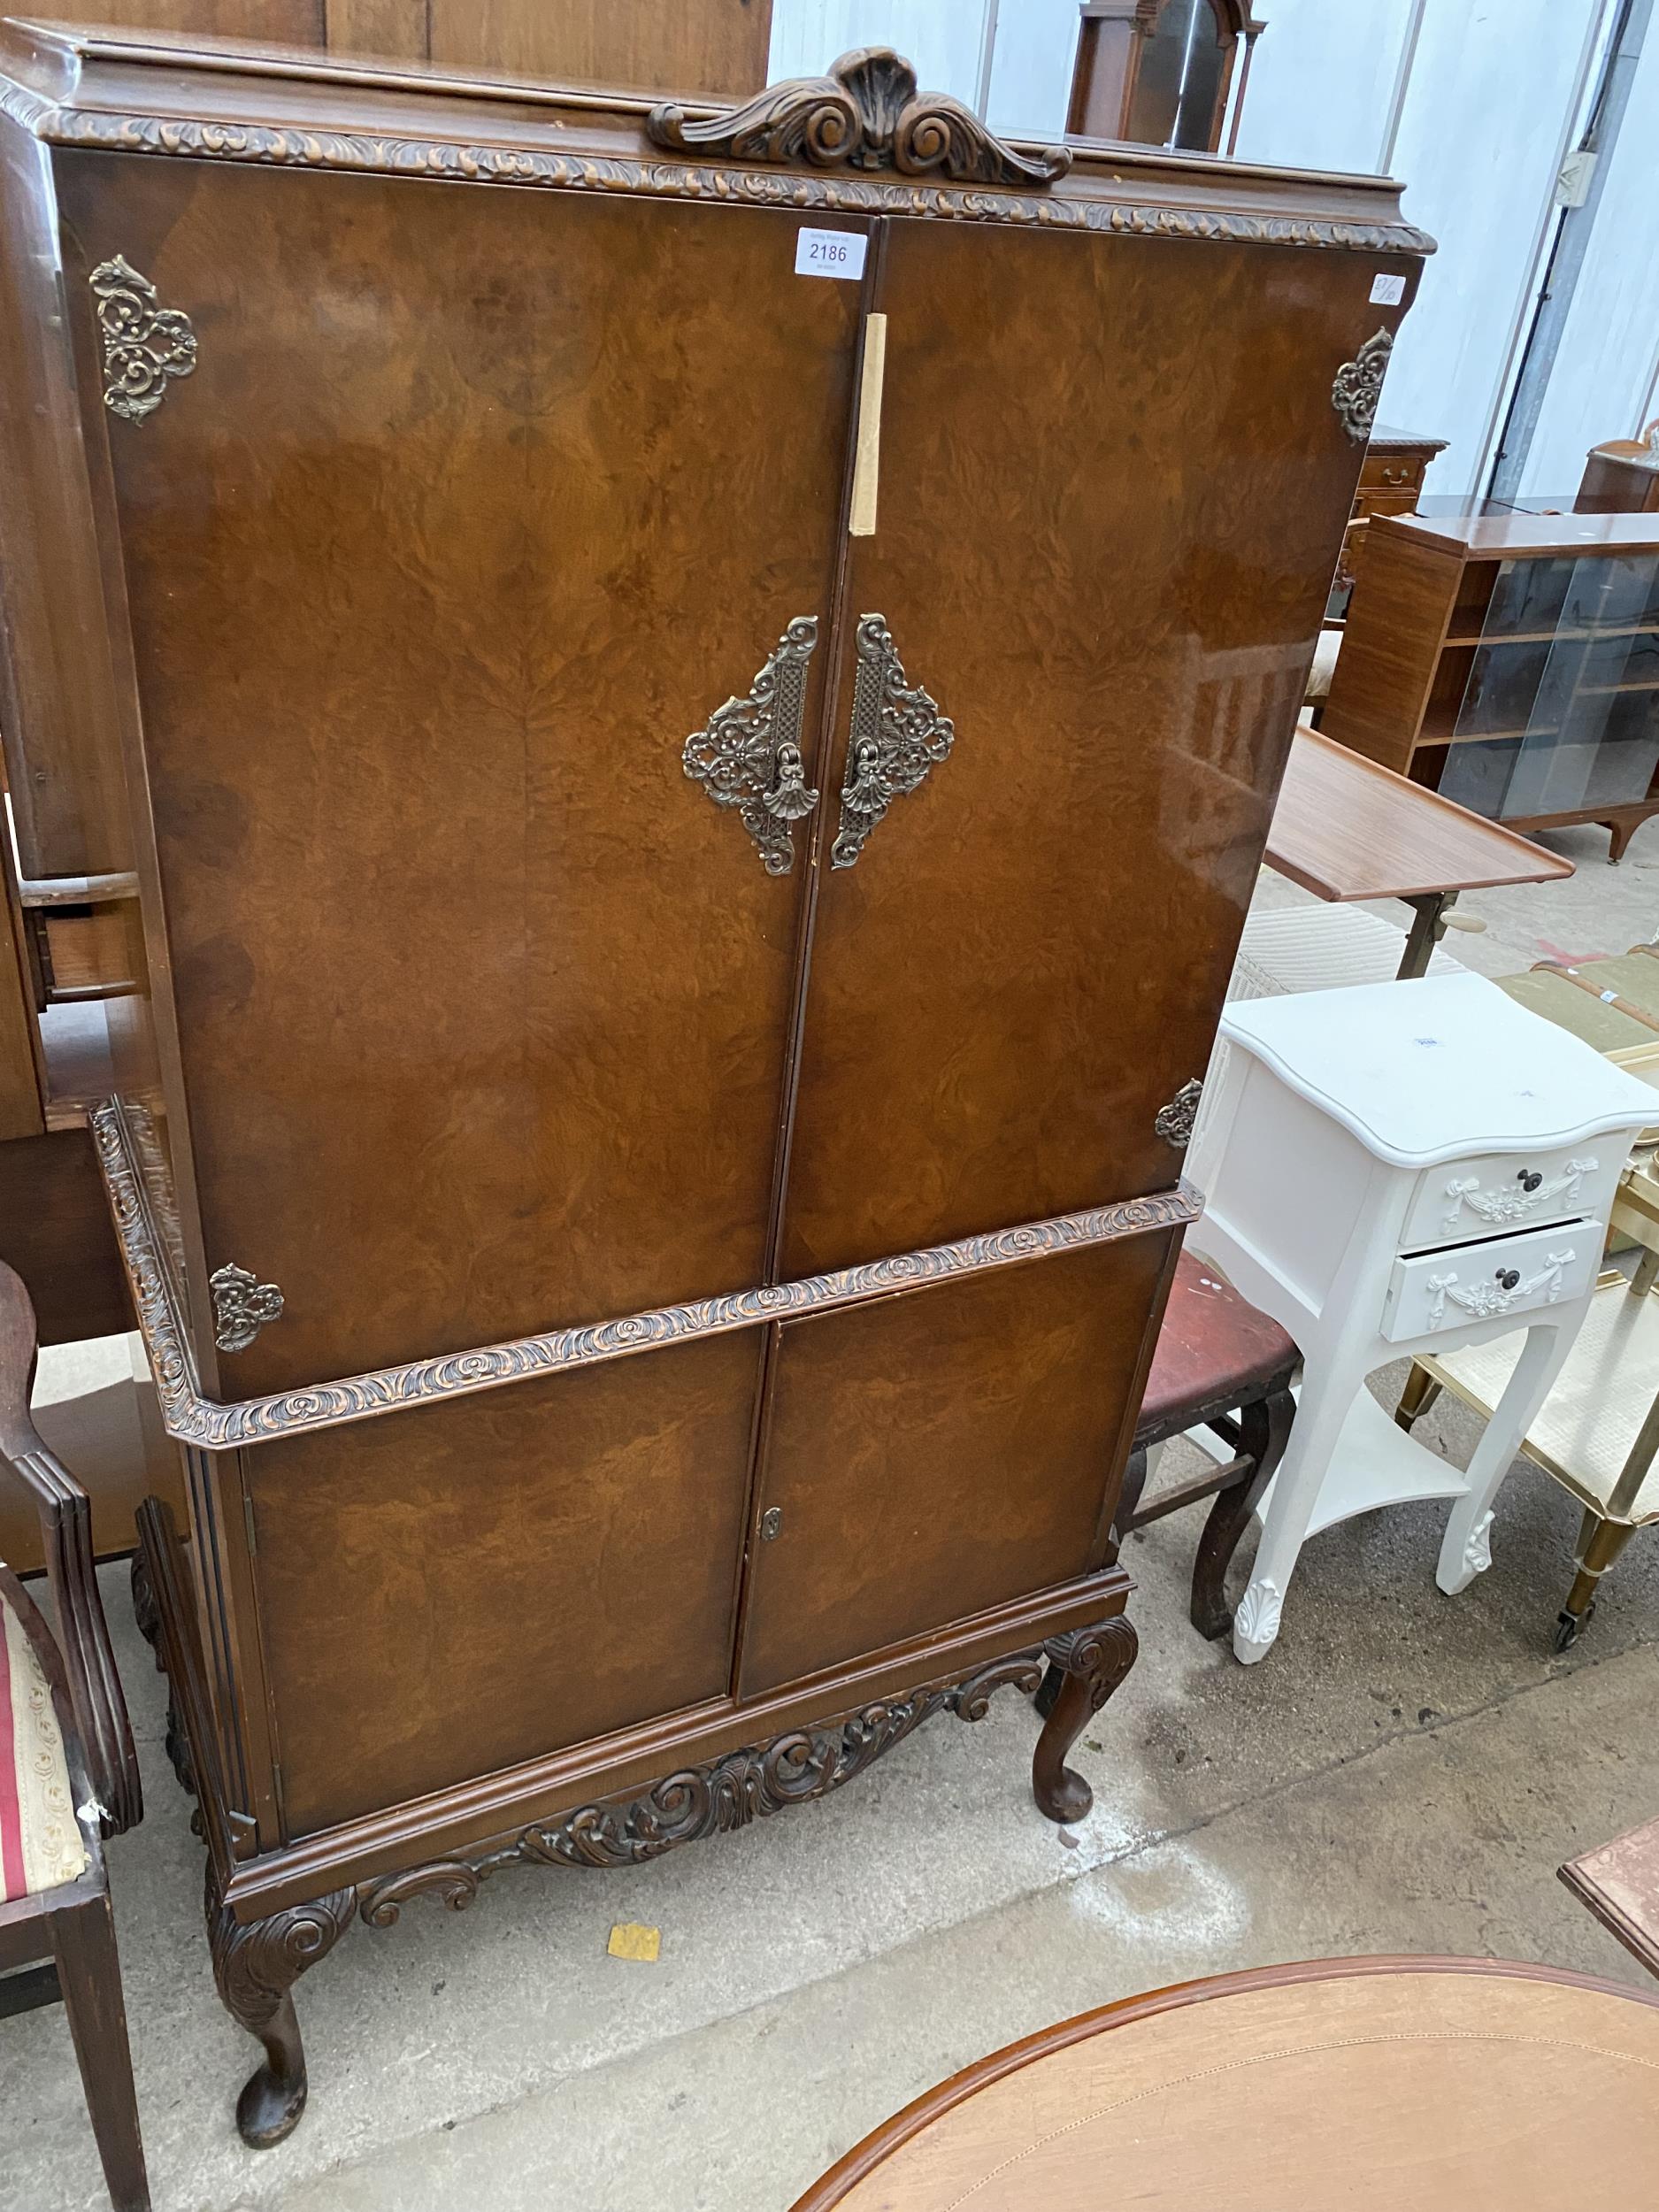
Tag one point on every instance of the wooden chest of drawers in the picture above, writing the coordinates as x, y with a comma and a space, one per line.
1390, 483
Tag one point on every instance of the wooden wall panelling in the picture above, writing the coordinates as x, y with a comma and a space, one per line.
714, 46
717, 47
58, 715
55, 1230
400, 28
267, 22
21, 1114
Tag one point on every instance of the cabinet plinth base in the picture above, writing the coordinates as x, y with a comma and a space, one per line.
258, 1957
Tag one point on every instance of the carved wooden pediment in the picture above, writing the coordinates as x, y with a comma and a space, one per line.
866, 114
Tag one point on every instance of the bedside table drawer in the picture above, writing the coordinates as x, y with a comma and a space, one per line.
1484, 1196
1482, 1282
1390, 472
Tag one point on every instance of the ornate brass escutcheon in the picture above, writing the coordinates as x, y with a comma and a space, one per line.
144, 343
898, 736
1175, 1122
242, 1306
747, 754
1358, 386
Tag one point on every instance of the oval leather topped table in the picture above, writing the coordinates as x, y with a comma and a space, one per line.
1370, 2085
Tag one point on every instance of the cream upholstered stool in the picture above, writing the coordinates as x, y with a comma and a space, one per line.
66, 1773
1323, 947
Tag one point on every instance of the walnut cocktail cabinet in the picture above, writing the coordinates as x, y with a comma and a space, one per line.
695, 729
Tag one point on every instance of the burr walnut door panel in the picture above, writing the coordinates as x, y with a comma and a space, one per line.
933, 1454
1112, 488
450, 1590
477, 504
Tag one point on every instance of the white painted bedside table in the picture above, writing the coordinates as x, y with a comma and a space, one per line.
1397, 1169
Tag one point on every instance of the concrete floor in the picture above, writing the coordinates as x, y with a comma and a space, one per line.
1404, 1772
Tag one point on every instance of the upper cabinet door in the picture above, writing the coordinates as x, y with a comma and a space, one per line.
1111, 488
474, 507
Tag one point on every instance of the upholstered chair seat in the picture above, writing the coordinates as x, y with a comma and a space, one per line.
41, 1844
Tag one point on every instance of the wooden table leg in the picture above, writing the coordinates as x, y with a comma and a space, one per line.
1428, 927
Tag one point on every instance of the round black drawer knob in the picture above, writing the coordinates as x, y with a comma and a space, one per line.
1507, 1277
1529, 1179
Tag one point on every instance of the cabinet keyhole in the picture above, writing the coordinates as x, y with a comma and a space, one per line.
770, 1522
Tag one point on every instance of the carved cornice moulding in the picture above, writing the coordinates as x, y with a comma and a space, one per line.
195, 1419
1093, 206
866, 113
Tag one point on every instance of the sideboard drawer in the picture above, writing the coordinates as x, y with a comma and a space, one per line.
1478, 1282
1495, 1191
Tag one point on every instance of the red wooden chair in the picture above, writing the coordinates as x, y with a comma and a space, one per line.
1217, 1357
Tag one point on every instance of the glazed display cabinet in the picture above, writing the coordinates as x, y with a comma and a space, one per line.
1511, 663
696, 732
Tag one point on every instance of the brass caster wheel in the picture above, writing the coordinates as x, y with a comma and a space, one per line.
1568, 1625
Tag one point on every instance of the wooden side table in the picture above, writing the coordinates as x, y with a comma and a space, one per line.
1619, 1882
1374, 2084
1348, 829
1395, 1169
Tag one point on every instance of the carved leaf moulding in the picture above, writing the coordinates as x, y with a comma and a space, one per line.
194, 1419
201, 139
752, 1783
866, 113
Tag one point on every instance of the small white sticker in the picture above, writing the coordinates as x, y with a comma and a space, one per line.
832, 253
1387, 291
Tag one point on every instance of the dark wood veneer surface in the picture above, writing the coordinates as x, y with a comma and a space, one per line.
513, 444
464, 523
1012, 980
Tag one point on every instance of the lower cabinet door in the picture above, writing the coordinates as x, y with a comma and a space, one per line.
447, 1591
943, 1451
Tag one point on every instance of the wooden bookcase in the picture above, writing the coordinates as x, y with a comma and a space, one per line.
1510, 662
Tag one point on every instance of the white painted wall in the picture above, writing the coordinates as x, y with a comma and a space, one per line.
944, 38
1030, 72
1322, 82
1491, 107
1606, 379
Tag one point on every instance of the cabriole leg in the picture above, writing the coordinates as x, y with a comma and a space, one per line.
1085, 1667
1263, 1431
1466, 1548
255, 1964
147, 1613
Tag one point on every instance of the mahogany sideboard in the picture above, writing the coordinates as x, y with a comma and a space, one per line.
696, 732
